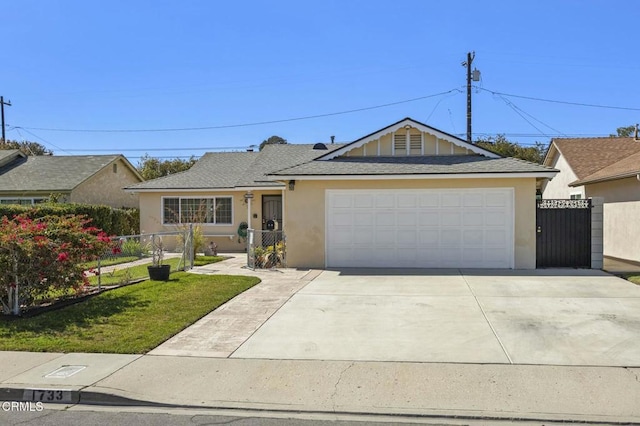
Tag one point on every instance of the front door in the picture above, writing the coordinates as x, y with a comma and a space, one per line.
272, 210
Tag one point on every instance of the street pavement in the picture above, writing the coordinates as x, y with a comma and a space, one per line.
171, 376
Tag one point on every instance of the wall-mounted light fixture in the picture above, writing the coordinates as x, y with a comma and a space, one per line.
292, 185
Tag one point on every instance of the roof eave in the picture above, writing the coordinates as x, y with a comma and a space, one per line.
492, 175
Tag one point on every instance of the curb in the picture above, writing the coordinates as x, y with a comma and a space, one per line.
78, 396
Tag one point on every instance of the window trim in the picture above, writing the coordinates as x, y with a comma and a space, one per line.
179, 198
572, 194
32, 199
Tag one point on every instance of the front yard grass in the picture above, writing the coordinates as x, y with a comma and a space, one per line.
634, 278
122, 275
129, 320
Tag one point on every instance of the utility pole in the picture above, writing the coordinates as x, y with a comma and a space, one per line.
2, 104
475, 76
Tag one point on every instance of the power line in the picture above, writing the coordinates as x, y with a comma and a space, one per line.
228, 126
555, 101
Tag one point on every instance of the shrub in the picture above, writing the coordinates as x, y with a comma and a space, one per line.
43, 255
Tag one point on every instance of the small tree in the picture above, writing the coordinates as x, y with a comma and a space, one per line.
41, 255
501, 145
273, 140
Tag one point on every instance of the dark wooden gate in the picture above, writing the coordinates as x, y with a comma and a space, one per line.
563, 233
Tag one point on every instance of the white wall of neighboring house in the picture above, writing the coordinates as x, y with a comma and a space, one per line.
621, 232
558, 187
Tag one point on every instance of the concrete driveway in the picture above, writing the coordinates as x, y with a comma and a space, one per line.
562, 317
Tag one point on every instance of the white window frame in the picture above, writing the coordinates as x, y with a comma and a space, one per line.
214, 198
572, 195
32, 199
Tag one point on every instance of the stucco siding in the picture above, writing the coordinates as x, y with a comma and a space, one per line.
106, 187
151, 216
615, 191
558, 187
305, 214
621, 232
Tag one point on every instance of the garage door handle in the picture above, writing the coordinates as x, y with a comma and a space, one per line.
539, 230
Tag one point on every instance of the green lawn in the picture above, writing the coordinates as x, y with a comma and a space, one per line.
132, 319
634, 278
109, 262
124, 275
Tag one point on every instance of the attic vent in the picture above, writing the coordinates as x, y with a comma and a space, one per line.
399, 144
415, 143
320, 145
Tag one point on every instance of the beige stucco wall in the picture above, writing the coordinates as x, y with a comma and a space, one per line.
621, 233
305, 214
151, 216
106, 187
614, 191
558, 187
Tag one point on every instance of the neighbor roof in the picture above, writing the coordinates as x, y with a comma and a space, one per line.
418, 165
227, 170
8, 155
597, 158
51, 173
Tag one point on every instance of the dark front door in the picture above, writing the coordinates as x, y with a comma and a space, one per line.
272, 210
563, 230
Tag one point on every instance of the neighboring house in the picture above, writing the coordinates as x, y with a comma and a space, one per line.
607, 168
407, 195
91, 179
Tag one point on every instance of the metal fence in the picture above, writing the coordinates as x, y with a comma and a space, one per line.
266, 249
135, 252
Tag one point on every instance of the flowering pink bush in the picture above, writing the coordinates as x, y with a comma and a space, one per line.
41, 255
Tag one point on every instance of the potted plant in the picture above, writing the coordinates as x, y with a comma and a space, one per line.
158, 271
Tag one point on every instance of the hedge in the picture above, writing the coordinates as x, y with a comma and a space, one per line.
110, 220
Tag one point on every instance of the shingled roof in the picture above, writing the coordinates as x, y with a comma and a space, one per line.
51, 173
227, 170
597, 159
422, 165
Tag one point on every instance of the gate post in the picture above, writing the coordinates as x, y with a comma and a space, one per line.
597, 248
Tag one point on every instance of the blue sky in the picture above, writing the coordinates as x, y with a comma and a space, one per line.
135, 65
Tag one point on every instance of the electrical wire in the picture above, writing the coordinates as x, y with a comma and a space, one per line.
557, 101
229, 126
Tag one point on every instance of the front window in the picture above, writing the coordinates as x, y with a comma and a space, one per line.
212, 210
23, 201
576, 196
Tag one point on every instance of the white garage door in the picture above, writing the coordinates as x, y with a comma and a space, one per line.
435, 228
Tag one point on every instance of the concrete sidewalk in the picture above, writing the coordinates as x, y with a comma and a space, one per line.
173, 375
461, 391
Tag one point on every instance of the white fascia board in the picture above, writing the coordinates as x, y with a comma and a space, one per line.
237, 189
430, 176
400, 125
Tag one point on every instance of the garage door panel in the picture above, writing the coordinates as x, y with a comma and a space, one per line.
473, 238
429, 200
363, 201
385, 218
451, 200
363, 218
385, 236
340, 218
407, 218
437, 228
429, 237
473, 218
407, 238
496, 218
385, 201
450, 217
450, 238
473, 200
428, 217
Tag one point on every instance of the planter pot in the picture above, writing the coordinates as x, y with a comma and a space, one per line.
159, 273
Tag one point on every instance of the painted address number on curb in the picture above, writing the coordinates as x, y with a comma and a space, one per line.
47, 395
